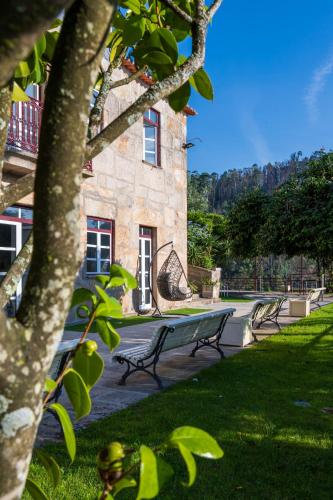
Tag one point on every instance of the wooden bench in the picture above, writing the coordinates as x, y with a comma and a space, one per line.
203, 329
239, 329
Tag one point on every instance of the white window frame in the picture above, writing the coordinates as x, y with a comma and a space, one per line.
99, 261
155, 139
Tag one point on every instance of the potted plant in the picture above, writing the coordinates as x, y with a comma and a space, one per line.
210, 288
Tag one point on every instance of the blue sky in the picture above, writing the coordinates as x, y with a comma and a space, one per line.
271, 64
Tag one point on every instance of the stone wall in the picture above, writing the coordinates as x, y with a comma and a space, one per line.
132, 193
128, 190
197, 274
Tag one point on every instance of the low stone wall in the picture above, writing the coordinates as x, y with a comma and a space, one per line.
197, 274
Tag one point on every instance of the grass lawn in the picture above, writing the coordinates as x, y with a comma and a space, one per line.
236, 298
137, 320
274, 449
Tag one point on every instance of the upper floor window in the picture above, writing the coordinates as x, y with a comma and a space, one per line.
151, 137
99, 245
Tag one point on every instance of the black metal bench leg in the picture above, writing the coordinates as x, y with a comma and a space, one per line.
194, 350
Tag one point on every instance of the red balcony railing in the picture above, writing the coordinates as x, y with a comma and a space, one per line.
24, 125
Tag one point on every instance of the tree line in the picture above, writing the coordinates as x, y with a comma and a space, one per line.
294, 219
217, 193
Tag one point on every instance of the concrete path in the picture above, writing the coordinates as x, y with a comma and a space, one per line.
174, 366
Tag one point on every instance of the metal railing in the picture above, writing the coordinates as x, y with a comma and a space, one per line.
293, 283
24, 125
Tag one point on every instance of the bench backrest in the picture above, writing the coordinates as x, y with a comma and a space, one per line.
260, 309
184, 331
266, 307
64, 350
315, 293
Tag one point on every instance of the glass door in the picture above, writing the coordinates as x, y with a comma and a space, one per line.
145, 255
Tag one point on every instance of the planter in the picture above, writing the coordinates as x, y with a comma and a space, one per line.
237, 332
210, 291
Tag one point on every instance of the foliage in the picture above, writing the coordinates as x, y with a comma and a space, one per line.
212, 192
206, 239
300, 214
208, 282
244, 222
140, 30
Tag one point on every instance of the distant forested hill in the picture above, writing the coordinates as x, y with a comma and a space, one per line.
217, 193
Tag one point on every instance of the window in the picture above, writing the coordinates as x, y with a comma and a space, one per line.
151, 137
15, 227
99, 245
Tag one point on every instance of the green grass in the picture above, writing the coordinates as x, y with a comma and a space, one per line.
236, 298
187, 310
137, 320
273, 449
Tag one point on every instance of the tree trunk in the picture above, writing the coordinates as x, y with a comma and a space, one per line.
28, 343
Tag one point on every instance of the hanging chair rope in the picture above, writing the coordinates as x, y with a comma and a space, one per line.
169, 278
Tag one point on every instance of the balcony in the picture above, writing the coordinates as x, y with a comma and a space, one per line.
24, 125
24, 129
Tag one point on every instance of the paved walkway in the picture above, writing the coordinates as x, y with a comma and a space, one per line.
174, 366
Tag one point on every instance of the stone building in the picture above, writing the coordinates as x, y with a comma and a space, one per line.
133, 196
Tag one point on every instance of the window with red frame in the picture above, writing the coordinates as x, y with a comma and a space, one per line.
151, 137
99, 245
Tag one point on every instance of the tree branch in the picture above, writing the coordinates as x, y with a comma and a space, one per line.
9, 284
156, 92
21, 24
180, 12
129, 79
97, 111
14, 192
213, 8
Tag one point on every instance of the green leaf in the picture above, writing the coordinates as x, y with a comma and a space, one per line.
134, 28
50, 385
81, 295
179, 99
117, 271
19, 94
35, 490
103, 280
40, 46
149, 485
110, 307
67, 428
51, 466
78, 393
51, 42
200, 81
197, 441
125, 482
22, 70
89, 365
166, 41
156, 58
164, 471
133, 5
107, 333
190, 464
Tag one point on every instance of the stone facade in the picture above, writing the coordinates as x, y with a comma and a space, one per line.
132, 193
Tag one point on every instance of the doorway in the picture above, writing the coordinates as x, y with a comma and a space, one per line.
145, 271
